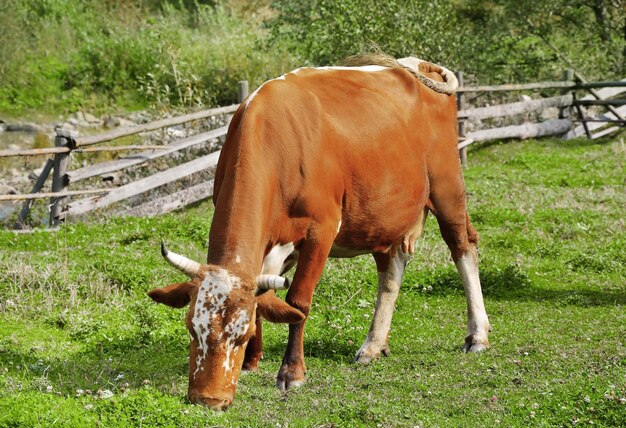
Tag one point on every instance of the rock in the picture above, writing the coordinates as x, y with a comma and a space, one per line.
91, 119
111, 122
126, 122
176, 133
5, 189
35, 173
73, 121
79, 116
526, 98
140, 117
22, 127
111, 178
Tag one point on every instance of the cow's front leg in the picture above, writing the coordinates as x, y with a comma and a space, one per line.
254, 350
390, 271
311, 261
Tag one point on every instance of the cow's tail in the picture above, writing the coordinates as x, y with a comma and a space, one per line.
415, 65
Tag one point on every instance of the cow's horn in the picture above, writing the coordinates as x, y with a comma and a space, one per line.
272, 282
183, 264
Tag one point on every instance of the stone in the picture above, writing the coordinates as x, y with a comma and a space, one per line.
90, 118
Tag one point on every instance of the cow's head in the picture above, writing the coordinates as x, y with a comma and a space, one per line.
221, 321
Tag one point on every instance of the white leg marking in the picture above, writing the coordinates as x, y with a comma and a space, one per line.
477, 321
388, 289
275, 259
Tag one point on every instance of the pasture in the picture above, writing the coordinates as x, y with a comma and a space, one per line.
82, 345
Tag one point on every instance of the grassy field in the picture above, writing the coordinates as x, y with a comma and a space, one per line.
82, 345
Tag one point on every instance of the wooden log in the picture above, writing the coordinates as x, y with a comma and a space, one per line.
59, 179
516, 108
580, 130
20, 223
173, 202
606, 131
518, 87
55, 150
565, 111
466, 142
144, 184
163, 123
581, 116
460, 105
595, 85
118, 164
605, 93
612, 103
34, 152
595, 94
543, 85
120, 148
242, 91
527, 130
63, 194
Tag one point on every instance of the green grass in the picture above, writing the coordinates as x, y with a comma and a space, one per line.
74, 316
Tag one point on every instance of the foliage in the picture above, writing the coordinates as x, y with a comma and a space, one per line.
528, 39
325, 31
75, 320
70, 53
67, 54
495, 40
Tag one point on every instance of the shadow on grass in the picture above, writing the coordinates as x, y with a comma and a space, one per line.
576, 142
101, 366
511, 283
324, 348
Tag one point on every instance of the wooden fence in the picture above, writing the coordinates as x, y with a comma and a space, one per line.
573, 120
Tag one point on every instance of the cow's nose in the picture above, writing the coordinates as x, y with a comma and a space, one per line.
211, 402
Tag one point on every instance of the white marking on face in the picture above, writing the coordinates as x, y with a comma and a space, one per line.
237, 259
210, 301
234, 331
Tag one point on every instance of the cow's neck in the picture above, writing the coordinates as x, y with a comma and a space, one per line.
238, 232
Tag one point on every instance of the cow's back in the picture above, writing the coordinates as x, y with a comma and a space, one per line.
354, 139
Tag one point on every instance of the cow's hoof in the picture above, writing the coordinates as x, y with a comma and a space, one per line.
475, 343
251, 365
370, 352
289, 377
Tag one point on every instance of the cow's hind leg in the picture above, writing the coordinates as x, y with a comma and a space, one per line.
461, 238
390, 270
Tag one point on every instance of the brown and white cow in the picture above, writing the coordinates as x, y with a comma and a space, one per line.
336, 161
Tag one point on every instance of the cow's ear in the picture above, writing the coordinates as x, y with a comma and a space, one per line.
274, 309
174, 295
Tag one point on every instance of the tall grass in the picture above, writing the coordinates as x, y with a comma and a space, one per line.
71, 54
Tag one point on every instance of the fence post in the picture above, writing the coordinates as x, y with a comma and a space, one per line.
59, 175
460, 104
242, 91
23, 215
568, 76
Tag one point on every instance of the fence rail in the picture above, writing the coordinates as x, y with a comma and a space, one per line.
573, 121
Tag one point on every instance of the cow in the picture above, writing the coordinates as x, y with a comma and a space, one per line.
328, 161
